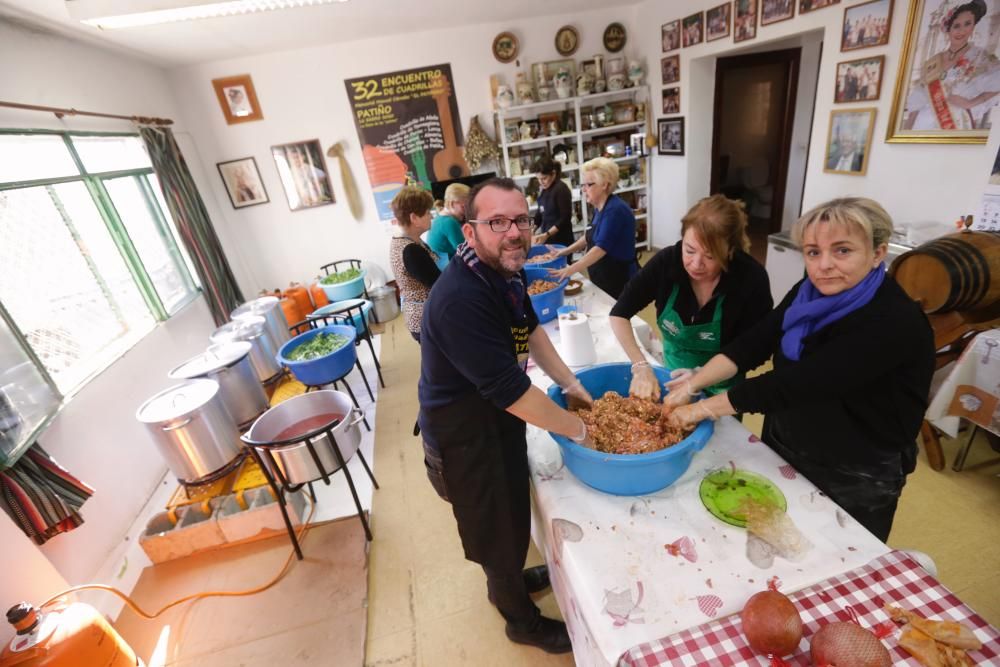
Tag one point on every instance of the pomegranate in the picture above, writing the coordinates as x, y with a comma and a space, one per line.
771, 623
848, 645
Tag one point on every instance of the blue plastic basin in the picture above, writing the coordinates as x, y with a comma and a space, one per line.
346, 290
557, 263
547, 303
335, 308
322, 370
626, 474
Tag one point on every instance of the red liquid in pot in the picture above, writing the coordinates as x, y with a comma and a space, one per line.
306, 425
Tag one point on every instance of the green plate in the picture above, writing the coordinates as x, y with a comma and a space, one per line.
723, 490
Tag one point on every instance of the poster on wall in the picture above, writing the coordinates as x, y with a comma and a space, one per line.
409, 128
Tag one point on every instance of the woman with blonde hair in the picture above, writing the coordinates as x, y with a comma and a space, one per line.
413, 263
707, 290
853, 358
446, 230
610, 241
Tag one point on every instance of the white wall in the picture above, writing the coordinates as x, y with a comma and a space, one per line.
302, 96
96, 437
915, 182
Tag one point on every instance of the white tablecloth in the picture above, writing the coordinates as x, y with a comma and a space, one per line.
626, 570
972, 389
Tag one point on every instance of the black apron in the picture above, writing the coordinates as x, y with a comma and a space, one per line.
608, 273
477, 459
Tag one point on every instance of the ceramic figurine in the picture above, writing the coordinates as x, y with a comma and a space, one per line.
635, 72
562, 84
616, 81
600, 85
584, 84
544, 93
525, 91
553, 128
505, 98
525, 131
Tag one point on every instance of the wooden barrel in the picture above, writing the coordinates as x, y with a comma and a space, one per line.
955, 272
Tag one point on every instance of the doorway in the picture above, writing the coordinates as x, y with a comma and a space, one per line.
754, 111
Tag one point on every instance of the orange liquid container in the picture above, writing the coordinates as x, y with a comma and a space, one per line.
291, 310
73, 635
300, 295
318, 295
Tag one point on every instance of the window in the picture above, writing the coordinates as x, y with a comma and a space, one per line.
90, 258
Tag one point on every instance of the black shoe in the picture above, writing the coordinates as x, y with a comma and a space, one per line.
536, 579
548, 634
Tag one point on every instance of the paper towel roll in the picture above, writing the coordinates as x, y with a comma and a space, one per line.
577, 340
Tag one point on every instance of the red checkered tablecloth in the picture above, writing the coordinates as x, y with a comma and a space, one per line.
894, 578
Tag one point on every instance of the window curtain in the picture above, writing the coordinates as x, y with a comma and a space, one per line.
193, 223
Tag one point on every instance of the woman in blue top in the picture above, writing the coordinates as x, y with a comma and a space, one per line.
610, 241
446, 230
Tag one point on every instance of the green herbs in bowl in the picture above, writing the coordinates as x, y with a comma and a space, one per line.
340, 277
318, 346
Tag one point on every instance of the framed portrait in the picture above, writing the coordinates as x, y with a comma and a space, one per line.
243, 184
806, 6
949, 75
567, 40
670, 69
303, 174
859, 80
505, 47
670, 35
744, 20
671, 100
849, 141
238, 99
866, 25
693, 29
718, 22
772, 11
671, 136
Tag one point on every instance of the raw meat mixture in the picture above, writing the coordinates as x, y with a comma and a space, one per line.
629, 425
540, 286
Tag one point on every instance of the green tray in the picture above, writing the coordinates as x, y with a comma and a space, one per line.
723, 490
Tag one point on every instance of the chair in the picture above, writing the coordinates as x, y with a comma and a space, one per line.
348, 311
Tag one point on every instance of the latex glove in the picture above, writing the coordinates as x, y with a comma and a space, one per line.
577, 397
690, 415
560, 275
679, 376
644, 383
677, 397
539, 239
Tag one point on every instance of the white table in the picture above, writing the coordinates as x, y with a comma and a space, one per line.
616, 581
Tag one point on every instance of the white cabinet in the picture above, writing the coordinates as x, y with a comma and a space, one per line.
588, 126
784, 265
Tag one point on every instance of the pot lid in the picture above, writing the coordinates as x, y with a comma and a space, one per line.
338, 307
256, 307
215, 358
177, 401
244, 328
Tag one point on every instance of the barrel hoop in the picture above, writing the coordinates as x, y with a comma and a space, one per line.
954, 275
979, 272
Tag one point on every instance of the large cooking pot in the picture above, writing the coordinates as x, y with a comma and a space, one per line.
385, 305
268, 307
192, 429
229, 365
253, 330
301, 415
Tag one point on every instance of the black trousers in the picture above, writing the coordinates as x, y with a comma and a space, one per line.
611, 275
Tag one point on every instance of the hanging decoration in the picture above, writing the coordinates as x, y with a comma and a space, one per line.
479, 148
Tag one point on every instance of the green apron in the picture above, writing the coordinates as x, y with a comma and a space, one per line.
691, 346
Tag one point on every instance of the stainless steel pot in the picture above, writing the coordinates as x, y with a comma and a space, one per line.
295, 461
229, 365
268, 307
252, 329
192, 429
384, 303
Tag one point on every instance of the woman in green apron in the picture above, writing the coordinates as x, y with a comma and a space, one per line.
707, 289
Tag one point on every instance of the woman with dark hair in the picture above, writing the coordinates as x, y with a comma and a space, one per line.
413, 263
957, 87
553, 219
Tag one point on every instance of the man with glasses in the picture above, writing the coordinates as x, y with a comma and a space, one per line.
475, 397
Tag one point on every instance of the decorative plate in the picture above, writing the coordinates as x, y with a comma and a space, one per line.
567, 40
722, 492
505, 47
614, 37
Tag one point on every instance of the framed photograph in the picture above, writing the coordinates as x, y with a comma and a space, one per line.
505, 47
243, 184
511, 129
692, 29
859, 80
671, 100
637, 142
670, 35
866, 25
949, 75
806, 6
718, 22
623, 112
612, 147
772, 11
670, 69
671, 134
745, 20
567, 40
238, 99
849, 141
550, 124
303, 174
615, 37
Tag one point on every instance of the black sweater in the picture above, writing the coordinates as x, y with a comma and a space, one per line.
555, 209
745, 284
858, 393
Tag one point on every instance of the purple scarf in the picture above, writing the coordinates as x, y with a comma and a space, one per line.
511, 289
811, 311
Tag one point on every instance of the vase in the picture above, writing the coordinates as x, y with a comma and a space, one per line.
525, 91
616, 81
544, 93
505, 98
635, 72
562, 83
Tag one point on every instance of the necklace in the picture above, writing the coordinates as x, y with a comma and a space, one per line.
954, 54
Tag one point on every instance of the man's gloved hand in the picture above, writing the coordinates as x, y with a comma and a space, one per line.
577, 397
644, 383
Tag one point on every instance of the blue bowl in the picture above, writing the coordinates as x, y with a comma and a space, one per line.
557, 263
357, 321
626, 474
322, 370
545, 304
346, 290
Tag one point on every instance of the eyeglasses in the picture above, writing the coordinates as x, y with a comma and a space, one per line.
502, 224
587, 185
